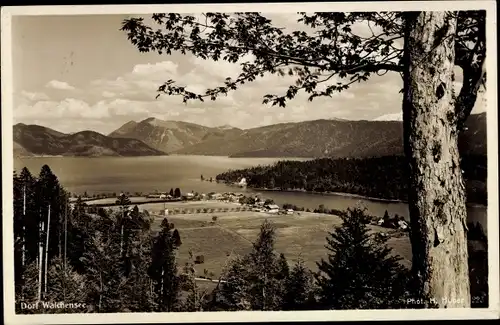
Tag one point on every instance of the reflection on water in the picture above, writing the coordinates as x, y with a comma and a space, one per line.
147, 174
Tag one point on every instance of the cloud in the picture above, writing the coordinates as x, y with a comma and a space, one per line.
159, 67
34, 96
69, 108
62, 85
390, 117
108, 94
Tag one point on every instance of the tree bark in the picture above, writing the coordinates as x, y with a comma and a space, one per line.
40, 259
46, 253
23, 258
436, 189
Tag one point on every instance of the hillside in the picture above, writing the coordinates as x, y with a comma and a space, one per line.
328, 138
38, 140
169, 136
380, 177
20, 151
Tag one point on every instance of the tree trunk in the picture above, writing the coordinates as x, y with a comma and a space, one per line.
436, 190
40, 260
23, 249
65, 233
46, 252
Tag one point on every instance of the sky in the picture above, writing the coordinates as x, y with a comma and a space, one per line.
74, 73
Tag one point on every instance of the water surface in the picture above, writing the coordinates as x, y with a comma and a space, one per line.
147, 174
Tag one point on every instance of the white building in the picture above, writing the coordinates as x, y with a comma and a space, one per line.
402, 224
243, 182
272, 208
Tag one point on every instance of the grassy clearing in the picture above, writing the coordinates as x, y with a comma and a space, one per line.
111, 200
303, 235
156, 207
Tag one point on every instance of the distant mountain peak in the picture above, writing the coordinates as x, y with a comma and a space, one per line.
390, 117
39, 140
226, 127
151, 120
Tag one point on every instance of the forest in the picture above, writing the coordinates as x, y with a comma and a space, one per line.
379, 177
70, 260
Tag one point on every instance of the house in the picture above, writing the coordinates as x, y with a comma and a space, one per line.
163, 196
166, 212
216, 196
272, 208
190, 195
243, 182
289, 211
402, 224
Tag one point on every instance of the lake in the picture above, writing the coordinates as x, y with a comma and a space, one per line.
149, 174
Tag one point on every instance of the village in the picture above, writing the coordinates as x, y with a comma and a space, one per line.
241, 202
189, 203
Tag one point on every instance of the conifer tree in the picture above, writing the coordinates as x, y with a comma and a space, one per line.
123, 201
264, 279
163, 268
50, 192
137, 294
25, 206
255, 281
360, 272
78, 234
102, 267
299, 288
65, 285
232, 294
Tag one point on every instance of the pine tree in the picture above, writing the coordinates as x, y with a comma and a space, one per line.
102, 267
360, 272
78, 234
233, 293
25, 205
137, 295
50, 192
283, 267
19, 233
123, 201
256, 280
64, 285
163, 268
265, 285
299, 288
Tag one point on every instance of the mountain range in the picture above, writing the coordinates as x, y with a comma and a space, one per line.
318, 138
33, 140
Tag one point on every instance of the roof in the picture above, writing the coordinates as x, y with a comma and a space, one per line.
273, 206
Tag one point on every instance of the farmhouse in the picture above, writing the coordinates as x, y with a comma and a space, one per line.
272, 208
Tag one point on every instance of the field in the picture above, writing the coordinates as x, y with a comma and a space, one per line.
301, 234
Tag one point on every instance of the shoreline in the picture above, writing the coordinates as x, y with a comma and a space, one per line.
351, 195
345, 194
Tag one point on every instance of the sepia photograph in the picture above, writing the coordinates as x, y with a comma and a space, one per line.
277, 160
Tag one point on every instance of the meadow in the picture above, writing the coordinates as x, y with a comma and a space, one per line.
301, 234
